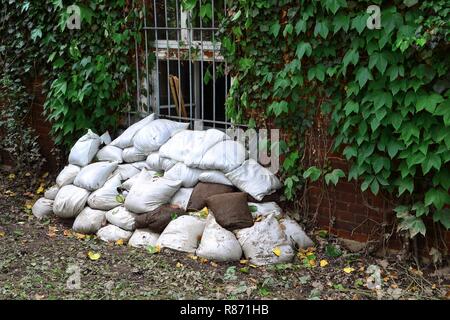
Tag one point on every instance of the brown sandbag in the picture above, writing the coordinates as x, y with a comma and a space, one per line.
273, 197
158, 219
203, 191
231, 210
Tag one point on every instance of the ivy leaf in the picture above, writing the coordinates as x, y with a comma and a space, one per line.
444, 110
322, 29
437, 197
443, 216
36, 33
429, 102
393, 146
352, 56
351, 107
313, 173
188, 5
405, 184
341, 21
349, 152
302, 48
288, 29
363, 75
359, 23
432, 160
206, 10
300, 26
334, 176
275, 29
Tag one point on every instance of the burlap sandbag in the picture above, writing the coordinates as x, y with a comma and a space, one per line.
231, 210
203, 191
157, 220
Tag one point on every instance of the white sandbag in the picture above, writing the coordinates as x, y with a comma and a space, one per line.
125, 140
42, 208
190, 146
132, 154
67, 175
142, 238
295, 233
141, 165
145, 175
180, 171
112, 233
110, 153
69, 201
224, 156
147, 196
156, 133
94, 176
105, 138
51, 192
265, 242
264, 209
126, 171
121, 218
254, 179
218, 243
181, 198
85, 149
158, 163
89, 221
182, 234
214, 176
105, 198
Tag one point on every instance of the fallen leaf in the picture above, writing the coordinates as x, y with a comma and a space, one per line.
193, 257
67, 233
277, 251
11, 176
79, 235
312, 262
45, 175
179, 265
41, 189
52, 231
213, 264
203, 260
2, 234
93, 255
323, 263
119, 242
153, 249
258, 219
348, 270
243, 261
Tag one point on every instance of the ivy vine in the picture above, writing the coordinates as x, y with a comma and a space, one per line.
385, 90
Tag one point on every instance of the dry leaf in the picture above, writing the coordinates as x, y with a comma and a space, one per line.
93, 255
277, 251
52, 231
119, 242
79, 235
67, 233
2, 234
323, 263
11, 176
312, 262
193, 257
213, 264
41, 189
348, 270
243, 261
203, 260
179, 265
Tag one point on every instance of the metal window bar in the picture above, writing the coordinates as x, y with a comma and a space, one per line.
184, 48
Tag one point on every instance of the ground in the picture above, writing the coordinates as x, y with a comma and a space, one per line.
38, 260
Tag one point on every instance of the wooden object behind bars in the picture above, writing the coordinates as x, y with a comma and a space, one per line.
177, 96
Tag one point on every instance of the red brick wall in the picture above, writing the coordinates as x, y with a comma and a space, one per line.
42, 128
348, 212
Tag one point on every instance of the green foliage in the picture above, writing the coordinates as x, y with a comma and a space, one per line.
89, 68
20, 59
386, 89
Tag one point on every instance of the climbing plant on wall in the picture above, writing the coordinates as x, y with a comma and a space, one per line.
85, 70
385, 90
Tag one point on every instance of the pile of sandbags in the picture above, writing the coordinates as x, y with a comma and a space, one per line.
160, 184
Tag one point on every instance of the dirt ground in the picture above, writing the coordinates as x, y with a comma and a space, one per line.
45, 260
